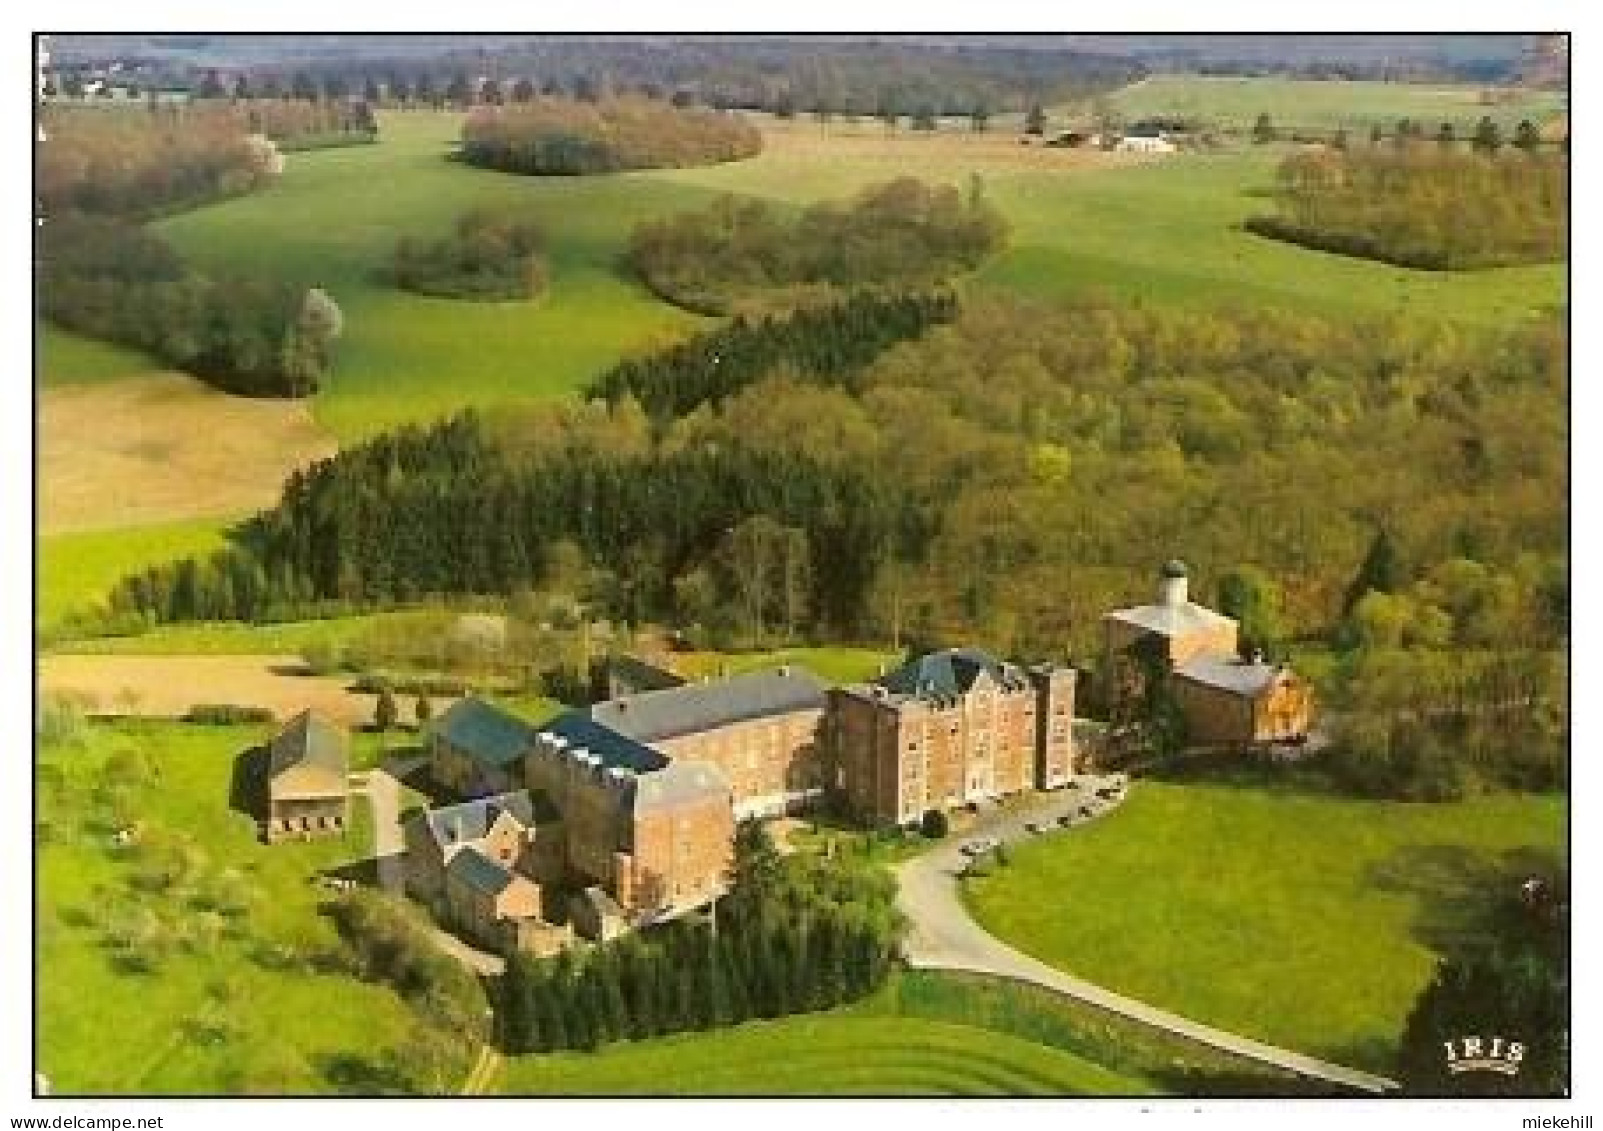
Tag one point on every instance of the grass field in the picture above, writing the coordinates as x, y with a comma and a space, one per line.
1305, 920
211, 1018
832, 664
65, 358
164, 448
333, 220
74, 570
1318, 103
832, 1054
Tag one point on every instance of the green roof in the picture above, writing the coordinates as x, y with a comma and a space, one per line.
478, 871
484, 732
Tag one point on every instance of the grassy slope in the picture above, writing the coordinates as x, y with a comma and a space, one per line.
1234, 101
65, 358
828, 1054
292, 1019
1166, 230
333, 221
832, 664
77, 569
1193, 897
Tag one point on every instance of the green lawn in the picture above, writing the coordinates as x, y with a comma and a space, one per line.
78, 569
333, 219
66, 358
834, 1054
1320, 103
832, 664
105, 1030
1305, 920
1166, 231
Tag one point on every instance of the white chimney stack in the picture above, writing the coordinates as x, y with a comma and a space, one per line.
1173, 590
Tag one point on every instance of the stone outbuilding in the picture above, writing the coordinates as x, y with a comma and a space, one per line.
308, 791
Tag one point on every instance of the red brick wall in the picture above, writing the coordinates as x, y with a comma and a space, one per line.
761, 757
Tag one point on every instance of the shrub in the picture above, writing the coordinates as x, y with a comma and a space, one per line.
486, 257
227, 714
934, 824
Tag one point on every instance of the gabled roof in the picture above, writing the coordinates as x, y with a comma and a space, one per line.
486, 733
643, 676
616, 751
1171, 620
679, 783
949, 673
653, 716
453, 825
1227, 673
307, 757
478, 871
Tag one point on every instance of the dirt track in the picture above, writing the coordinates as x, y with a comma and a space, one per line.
170, 685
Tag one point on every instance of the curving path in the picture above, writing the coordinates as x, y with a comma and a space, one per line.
943, 936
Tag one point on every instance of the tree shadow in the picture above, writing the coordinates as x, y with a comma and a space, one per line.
247, 785
354, 1075
1459, 893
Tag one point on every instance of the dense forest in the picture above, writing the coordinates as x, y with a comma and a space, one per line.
562, 137
904, 233
795, 934
1438, 207
113, 280
831, 343
1053, 454
485, 257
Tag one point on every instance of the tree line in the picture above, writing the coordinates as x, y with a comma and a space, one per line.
905, 233
564, 137
486, 257
832, 343
254, 337
1438, 208
794, 935
441, 511
849, 79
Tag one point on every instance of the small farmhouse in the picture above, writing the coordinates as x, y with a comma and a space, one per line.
307, 789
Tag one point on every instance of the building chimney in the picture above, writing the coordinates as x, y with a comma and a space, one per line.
1173, 591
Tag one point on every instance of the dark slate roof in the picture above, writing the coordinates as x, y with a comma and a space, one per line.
616, 751
653, 716
487, 733
471, 820
311, 741
948, 673
478, 871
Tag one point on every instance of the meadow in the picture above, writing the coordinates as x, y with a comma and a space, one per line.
78, 569
1233, 101
225, 1015
841, 1054
1303, 919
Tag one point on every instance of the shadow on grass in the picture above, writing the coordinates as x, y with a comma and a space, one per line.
1248, 771
247, 786
354, 1075
1459, 892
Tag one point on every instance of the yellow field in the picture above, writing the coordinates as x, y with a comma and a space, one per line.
163, 448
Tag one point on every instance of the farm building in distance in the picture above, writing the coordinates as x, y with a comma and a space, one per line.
1224, 698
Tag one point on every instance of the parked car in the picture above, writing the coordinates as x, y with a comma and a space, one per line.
1031, 827
1067, 820
1087, 811
980, 847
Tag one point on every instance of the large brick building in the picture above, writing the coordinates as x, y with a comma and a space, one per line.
592, 818
762, 729
1225, 698
947, 729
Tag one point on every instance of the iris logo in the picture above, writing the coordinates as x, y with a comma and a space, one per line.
1482, 1054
